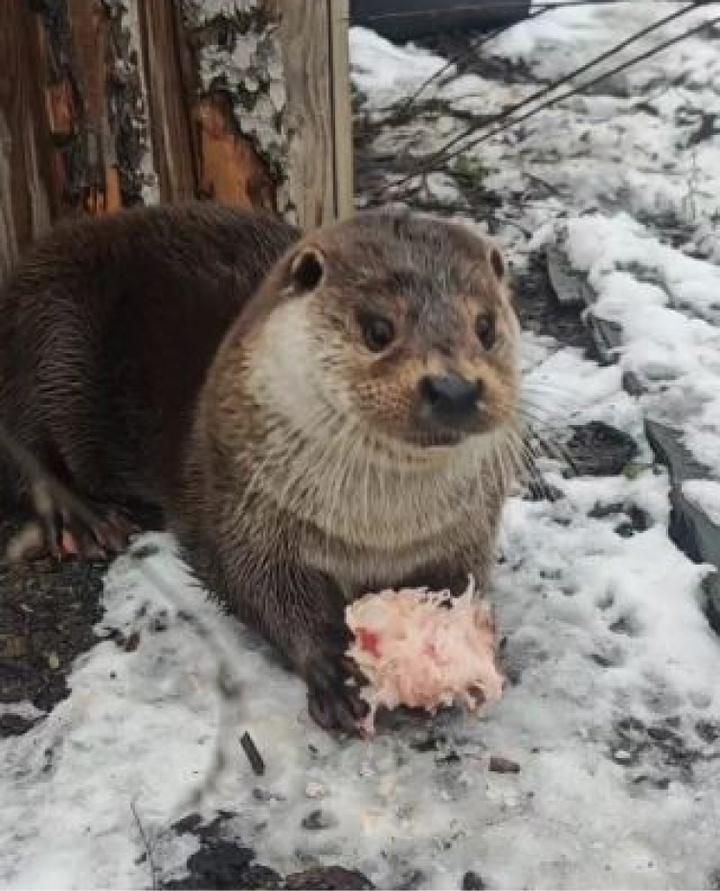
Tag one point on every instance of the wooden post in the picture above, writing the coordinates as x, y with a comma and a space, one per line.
167, 66
273, 105
106, 105
315, 55
341, 107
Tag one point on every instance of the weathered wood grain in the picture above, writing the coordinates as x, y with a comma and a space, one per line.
26, 200
230, 166
89, 28
249, 107
305, 38
231, 171
170, 121
339, 12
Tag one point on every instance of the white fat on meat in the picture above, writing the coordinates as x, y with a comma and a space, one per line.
424, 649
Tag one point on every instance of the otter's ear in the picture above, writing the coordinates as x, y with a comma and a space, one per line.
497, 264
307, 270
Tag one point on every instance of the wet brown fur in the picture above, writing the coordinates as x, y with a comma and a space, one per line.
107, 328
254, 510
136, 367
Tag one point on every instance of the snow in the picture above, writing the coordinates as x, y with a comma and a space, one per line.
706, 495
592, 623
668, 307
381, 68
627, 145
613, 710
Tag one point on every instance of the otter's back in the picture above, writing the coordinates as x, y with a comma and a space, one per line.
107, 328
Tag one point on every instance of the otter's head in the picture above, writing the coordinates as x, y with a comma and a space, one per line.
403, 322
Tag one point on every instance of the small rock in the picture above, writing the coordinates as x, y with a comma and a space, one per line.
327, 877
500, 764
471, 881
222, 864
427, 742
15, 725
318, 819
187, 824
411, 880
711, 587
451, 757
315, 790
260, 794
601, 511
131, 643
708, 731
160, 622
597, 449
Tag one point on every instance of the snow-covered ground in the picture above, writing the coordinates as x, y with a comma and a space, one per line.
613, 711
633, 144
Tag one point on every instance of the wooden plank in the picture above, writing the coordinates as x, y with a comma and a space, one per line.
305, 39
339, 14
26, 196
170, 122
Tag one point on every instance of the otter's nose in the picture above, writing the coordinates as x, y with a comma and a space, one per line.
450, 397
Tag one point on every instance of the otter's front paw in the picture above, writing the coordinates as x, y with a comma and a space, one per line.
334, 682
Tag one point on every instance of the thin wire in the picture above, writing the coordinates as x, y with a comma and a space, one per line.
501, 5
461, 7
443, 156
472, 48
562, 4
483, 39
622, 67
454, 60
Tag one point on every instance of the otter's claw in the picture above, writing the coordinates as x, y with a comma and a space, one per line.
333, 693
60, 532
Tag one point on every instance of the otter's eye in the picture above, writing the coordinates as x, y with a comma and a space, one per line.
378, 332
485, 330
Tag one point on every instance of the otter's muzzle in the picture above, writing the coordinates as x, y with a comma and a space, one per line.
450, 400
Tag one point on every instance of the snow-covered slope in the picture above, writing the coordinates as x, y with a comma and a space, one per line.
613, 713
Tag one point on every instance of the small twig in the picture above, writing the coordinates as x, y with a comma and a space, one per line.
253, 755
148, 849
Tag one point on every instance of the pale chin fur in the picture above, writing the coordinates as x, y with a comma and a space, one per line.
370, 490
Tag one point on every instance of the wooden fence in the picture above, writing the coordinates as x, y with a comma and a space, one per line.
112, 103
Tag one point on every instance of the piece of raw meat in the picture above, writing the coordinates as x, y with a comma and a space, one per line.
424, 649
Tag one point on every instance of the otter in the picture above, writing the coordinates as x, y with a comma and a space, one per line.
315, 416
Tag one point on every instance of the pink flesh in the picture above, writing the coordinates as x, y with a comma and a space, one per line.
418, 653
